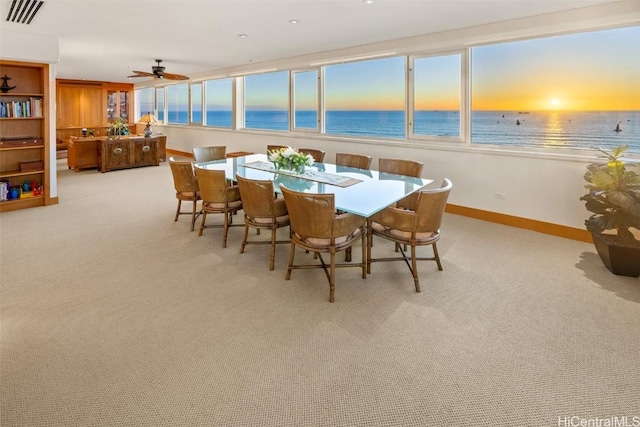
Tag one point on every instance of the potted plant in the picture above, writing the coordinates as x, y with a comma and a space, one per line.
614, 199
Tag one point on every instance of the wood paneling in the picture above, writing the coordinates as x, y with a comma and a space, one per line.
82, 104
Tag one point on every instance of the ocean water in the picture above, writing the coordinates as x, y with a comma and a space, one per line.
584, 129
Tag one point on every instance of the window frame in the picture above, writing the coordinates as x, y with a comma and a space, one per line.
191, 99
463, 101
292, 100
205, 111
463, 48
242, 123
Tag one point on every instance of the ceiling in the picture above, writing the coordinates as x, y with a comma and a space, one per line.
106, 39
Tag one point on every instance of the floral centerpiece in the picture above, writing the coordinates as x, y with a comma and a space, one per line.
289, 159
118, 127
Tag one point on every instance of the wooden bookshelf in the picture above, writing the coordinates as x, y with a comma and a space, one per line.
24, 137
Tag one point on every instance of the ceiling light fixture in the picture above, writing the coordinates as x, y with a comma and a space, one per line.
367, 1
294, 21
242, 36
354, 58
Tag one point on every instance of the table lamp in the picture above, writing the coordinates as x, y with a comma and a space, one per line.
148, 119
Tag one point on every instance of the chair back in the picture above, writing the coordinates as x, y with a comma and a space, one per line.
213, 185
271, 148
318, 155
401, 167
257, 197
207, 154
184, 180
430, 207
353, 160
311, 214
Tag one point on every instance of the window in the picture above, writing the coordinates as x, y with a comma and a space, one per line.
565, 91
366, 98
266, 101
219, 103
177, 104
160, 103
145, 101
196, 103
436, 96
305, 100
577, 91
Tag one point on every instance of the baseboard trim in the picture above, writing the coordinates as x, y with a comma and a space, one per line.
528, 224
510, 220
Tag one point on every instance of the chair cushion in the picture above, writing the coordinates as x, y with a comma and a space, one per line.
315, 241
279, 220
426, 235
186, 195
235, 205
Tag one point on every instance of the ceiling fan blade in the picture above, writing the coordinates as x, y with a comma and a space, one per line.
171, 76
142, 74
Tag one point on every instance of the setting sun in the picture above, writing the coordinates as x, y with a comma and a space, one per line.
555, 102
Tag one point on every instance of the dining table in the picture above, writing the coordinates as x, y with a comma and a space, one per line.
362, 192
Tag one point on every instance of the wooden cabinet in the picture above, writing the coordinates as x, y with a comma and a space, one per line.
78, 106
24, 136
118, 102
82, 153
91, 105
111, 154
128, 153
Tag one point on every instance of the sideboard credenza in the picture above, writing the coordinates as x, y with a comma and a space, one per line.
112, 154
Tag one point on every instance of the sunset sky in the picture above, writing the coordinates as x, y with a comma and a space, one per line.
589, 71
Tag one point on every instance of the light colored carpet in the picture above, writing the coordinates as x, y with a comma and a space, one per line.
114, 315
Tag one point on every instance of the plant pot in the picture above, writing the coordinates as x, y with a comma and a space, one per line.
620, 260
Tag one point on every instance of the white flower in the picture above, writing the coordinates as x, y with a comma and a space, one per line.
274, 156
288, 152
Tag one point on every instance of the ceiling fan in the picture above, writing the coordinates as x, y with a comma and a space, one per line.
157, 72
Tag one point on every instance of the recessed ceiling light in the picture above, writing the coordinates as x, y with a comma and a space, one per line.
242, 36
367, 1
294, 21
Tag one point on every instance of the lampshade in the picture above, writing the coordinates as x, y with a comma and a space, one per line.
148, 119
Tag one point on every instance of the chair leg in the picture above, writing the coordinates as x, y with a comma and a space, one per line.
332, 276
369, 245
225, 228
364, 254
178, 211
193, 215
347, 254
291, 255
414, 267
204, 219
244, 238
436, 256
272, 256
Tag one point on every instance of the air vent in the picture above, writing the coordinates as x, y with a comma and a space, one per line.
23, 11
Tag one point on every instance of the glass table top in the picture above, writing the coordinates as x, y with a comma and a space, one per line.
375, 191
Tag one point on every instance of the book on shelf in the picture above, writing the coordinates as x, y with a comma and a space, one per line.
16, 109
